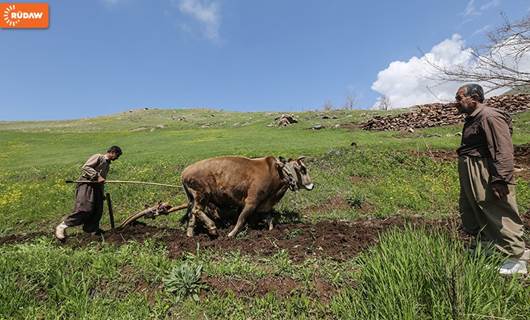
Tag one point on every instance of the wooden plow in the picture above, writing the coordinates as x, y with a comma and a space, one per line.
160, 209
152, 212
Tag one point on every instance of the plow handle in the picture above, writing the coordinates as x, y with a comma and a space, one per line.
111, 213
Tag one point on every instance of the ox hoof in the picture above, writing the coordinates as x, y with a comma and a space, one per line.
190, 233
213, 233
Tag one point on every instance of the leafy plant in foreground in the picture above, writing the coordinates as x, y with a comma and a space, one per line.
184, 280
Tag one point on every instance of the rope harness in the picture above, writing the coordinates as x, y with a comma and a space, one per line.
289, 176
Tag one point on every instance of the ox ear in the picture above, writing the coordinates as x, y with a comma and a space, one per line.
282, 159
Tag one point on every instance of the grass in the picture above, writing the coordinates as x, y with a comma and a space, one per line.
424, 275
416, 274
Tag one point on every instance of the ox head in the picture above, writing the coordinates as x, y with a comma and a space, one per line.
295, 173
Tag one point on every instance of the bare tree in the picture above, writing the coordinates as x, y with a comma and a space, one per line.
383, 103
328, 106
504, 62
351, 101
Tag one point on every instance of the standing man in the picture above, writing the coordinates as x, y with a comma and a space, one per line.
487, 186
89, 195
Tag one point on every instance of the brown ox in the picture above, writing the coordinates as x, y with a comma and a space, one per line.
251, 185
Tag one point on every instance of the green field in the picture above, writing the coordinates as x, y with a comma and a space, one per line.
419, 273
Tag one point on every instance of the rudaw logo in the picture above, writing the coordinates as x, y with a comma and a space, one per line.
7, 16
24, 15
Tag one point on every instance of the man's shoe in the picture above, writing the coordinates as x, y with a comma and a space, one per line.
513, 266
60, 233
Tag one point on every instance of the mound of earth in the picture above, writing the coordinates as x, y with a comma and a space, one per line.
440, 114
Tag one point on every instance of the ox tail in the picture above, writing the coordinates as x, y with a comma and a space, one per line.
186, 217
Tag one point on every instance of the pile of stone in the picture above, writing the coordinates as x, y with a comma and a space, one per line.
440, 114
285, 120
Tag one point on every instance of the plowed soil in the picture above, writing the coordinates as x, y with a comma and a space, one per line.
336, 239
318, 289
339, 240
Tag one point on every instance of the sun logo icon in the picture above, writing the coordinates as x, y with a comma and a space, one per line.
7, 16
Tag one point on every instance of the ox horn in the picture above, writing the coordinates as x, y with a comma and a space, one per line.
301, 158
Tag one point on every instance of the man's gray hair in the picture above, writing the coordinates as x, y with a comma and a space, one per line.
474, 91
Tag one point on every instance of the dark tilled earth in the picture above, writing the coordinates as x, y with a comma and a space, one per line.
339, 240
321, 290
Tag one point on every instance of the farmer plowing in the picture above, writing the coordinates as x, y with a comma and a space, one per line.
213, 188
89, 195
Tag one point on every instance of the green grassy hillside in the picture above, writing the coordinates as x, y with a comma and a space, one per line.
383, 175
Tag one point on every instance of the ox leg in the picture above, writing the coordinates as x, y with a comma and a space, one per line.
190, 230
270, 222
247, 210
198, 211
198, 207
190, 217
213, 211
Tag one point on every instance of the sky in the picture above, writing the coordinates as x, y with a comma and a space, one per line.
107, 56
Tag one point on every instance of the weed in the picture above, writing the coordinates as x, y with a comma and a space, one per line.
294, 233
184, 280
356, 200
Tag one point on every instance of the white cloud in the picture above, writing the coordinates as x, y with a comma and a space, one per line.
412, 82
491, 4
206, 13
513, 53
472, 10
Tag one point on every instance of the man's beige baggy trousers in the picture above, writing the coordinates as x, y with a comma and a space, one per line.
494, 221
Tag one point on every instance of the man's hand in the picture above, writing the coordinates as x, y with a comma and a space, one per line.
500, 189
101, 179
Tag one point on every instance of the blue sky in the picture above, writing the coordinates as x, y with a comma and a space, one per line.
107, 56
